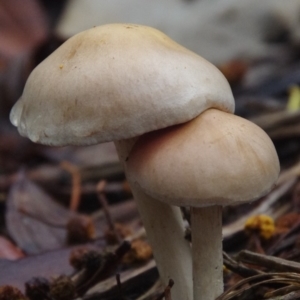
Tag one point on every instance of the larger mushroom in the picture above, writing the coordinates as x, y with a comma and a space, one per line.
115, 83
217, 159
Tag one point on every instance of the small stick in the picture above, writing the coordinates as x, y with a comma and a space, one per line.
290, 296
119, 285
282, 291
167, 292
238, 267
270, 262
256, 280
76, 184
102, 199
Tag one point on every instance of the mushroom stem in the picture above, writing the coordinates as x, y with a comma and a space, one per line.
207, 252
165, 233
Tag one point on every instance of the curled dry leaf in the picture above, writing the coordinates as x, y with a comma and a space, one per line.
33, 219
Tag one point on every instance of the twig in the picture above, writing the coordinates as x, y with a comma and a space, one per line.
49, 174
270, 262
273, 120
257, 280
282, 291
102, 199
167, 292
289, 296
76, 184
119, 285
239, 268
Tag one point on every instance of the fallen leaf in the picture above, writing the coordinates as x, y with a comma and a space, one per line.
34, 221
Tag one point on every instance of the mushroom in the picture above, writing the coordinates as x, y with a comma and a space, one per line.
217, 159
114, 83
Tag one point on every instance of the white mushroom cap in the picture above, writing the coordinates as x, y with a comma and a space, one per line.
115, 82
216, 159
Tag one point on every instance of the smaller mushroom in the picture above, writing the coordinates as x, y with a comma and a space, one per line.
217, 159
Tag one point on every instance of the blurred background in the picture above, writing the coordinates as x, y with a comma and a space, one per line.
256, 44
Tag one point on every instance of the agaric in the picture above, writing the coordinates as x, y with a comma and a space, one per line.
115, 83
217, 159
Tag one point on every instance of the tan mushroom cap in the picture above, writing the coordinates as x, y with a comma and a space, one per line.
217, 158
114, 82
